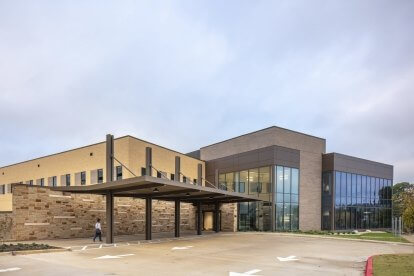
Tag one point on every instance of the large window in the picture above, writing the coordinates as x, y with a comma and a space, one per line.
83, 178
258, 181
100, 175
67, 178
54, 181
287, 198
119, 172
252, 181
362, 202
327, 190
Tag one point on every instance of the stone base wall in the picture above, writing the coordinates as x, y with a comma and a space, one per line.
40, 213
6, 222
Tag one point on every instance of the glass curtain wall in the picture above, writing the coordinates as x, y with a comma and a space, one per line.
327, 189
287, 198
362, 202
253, 216
257, 216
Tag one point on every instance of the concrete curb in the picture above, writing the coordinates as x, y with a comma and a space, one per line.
337, 238
39, 251
368, 267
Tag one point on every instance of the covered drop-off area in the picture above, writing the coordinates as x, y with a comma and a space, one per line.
152, 188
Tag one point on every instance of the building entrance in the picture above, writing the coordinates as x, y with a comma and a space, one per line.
208, 221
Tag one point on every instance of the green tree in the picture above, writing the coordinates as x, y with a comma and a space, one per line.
398, 192
408, 213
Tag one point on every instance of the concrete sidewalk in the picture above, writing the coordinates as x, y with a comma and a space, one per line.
122, 239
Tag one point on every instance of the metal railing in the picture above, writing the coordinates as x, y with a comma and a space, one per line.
123, 166
220, 186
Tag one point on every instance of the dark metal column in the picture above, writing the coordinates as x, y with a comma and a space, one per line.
217, 217
109, 157
216, 178
148, 161
273, 191
177, 218
177, 169
199, 217
109, 217
200, 175
148, 218
332, 187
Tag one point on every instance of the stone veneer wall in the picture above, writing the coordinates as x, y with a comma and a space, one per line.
40, 213
6, 221
228, 216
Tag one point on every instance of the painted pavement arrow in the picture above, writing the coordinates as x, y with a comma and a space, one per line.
113, 257
287, 259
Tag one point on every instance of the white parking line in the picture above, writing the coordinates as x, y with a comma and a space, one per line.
287, 259
181, 248
10, 269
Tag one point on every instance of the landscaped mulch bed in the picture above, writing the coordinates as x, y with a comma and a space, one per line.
24, 246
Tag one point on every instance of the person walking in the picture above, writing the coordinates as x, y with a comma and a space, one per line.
98, 230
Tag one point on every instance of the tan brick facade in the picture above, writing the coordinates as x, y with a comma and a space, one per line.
129, 150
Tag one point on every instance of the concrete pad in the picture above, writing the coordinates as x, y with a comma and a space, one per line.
217, 254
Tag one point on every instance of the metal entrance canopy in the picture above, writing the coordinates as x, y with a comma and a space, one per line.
149, 188
161, 189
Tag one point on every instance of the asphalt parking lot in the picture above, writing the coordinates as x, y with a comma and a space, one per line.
218, 254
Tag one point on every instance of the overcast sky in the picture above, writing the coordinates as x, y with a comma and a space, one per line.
185, 74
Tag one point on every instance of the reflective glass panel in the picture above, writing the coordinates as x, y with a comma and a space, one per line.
230, 181
279, 179
295, 181
253, 181
343, 189
364, 189
244, 181
264, 179
286, 181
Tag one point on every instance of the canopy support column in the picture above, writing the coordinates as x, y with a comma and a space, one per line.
177, 176
177, 218
148, 218
200, 175
148, 161
217, 217
199, 218
109, 217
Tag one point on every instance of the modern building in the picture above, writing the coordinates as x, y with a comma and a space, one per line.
300, 187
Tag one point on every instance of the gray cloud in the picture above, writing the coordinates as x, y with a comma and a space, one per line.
188, 73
